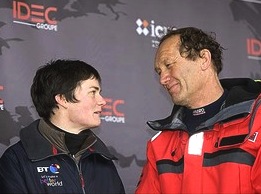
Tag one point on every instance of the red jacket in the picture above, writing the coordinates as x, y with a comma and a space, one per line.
222, 156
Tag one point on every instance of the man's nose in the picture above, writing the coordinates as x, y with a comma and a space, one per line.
164, 78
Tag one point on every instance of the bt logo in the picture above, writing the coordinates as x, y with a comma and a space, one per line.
54, 168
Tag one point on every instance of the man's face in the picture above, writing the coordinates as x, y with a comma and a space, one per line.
180, 76
85, 114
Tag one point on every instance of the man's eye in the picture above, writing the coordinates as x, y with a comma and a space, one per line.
168, 65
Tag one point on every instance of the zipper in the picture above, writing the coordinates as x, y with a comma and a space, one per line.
80, 173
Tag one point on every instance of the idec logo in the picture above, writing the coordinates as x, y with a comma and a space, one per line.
1, 100
112, 111
254, 48
146, 28
34, 15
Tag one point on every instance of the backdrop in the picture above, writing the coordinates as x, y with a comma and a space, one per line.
118, 37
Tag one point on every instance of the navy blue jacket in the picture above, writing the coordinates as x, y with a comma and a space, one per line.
35, 165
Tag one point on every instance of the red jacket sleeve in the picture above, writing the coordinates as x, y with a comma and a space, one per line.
149, 182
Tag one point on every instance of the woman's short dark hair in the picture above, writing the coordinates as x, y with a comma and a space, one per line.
59, 77
193, 40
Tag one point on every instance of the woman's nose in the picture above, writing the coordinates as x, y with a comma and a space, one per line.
101, 101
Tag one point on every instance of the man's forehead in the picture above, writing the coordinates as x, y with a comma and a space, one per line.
174, 39
166, 54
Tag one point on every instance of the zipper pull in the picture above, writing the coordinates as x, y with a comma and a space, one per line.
82, 180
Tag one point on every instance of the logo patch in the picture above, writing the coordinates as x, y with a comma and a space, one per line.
195, 144
199, 111
50, 175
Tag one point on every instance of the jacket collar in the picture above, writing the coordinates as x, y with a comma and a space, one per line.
241, 96
40, 141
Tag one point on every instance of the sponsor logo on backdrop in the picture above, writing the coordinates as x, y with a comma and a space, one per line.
254, 48
112, 111
36, 15
150, 29
1, 100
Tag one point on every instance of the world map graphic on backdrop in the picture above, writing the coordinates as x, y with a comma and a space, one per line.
4, 42
67, 9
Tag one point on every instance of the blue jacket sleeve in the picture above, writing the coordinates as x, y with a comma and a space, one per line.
11, 175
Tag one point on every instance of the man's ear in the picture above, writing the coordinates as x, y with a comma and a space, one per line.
61, 100
205, 56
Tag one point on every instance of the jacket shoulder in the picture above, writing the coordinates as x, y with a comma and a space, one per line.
12, 157
164, 135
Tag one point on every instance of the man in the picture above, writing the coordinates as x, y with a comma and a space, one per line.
59, 153
211, 141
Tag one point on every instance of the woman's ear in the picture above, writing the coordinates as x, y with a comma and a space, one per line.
61, 100
205, 55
